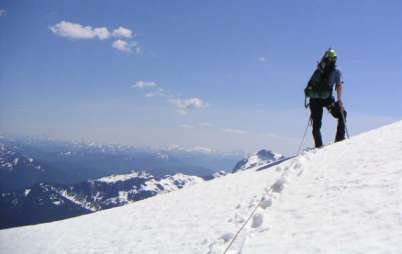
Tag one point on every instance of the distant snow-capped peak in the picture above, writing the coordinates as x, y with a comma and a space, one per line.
259, 159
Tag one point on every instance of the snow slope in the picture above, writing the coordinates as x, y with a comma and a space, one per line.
344, 198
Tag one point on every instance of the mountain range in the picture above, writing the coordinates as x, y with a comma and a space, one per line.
35, 190
44, 202
342, 198
27, 161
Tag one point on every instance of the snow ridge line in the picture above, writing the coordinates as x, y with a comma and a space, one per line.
270, 193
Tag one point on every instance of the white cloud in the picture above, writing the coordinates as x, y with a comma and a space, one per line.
77, 31
199, 125
235, 131
182, 112
186, 126
126, 46
205, 124
262, 59
271, 135
191, 103
122, 32
121, 45
158, 93
3, 13
144, 84
184, 105
203, 149
102, 33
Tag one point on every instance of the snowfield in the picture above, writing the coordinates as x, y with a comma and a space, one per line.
344, 198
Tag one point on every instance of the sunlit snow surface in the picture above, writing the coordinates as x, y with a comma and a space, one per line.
344, 198
123, 177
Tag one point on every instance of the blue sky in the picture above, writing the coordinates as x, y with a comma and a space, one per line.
218, 74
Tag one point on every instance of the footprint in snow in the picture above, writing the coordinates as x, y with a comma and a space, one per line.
267, 190
252, 204
300, 173
265, 202
217, 246
258, 220
238, 218
297, 165
227, 236
279, 185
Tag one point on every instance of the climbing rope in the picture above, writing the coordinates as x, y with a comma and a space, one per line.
304, 137
245, 223
259, 203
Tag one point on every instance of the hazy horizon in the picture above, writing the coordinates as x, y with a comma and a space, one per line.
226, 76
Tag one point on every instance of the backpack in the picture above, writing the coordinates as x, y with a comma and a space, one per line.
319, 87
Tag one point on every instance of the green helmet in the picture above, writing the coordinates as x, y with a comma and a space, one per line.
328, 57
330, 53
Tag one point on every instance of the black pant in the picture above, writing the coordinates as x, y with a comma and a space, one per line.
316, 108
